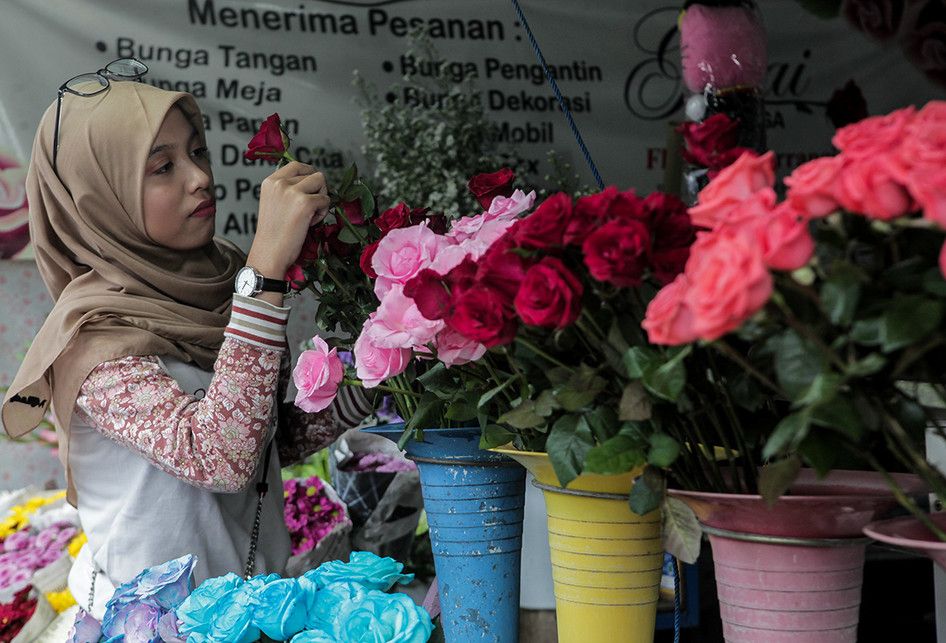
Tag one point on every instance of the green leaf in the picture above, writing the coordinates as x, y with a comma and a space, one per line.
648, 491
908, 320
840, 414
581, 389
603, 422
522, 416
635, 403
867, 366
797, 363
568, 443
440, 381
682, 533
777, 477
933, 282
559, 375
840, 295
820, 450
668, 379
787, 434
428, 413
637, 360
345, 235
495, 436
822, 389
490, 394
363, 194
620, 454
663, 450
462, 409
347, 179
745, 392
868, 332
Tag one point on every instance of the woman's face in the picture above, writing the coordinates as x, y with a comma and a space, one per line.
178, 187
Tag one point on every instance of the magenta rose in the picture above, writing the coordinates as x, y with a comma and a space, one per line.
550, 295
669, 321
374, 363
544, 228
317, 374
732, 186
618, 252
269, 143
486, 187
481, 314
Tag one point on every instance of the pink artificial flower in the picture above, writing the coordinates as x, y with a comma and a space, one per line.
374, 363
317, 374
454, 349
403, 253
491, 225
669, 321
732, 186
399, 324
785, 240
728, 282
811, 187
928, 187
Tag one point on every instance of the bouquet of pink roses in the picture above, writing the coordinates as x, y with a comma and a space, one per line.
831, 301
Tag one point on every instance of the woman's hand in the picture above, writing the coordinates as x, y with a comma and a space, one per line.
292, 198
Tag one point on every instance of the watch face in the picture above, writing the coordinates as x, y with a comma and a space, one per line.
245, 282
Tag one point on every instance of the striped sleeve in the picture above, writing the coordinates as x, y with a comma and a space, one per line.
258, 322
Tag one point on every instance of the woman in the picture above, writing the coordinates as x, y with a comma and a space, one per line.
165, 396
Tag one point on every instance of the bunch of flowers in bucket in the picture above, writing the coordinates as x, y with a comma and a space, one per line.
831, 302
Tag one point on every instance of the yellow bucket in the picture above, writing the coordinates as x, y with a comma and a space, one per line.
606, 560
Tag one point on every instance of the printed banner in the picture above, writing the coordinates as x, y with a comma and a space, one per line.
617, 63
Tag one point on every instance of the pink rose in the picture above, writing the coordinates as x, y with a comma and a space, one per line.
869, 185
512, 206
928, 187
669, 321
785, 240
399, 324
14, 212
729, 283
454, 349
942, 260
374, 363
873, 135
317, 374
811, 186
403, 253
732, 186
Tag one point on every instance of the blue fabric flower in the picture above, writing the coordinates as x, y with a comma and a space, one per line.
312, 636
281, 608
233, 621
380, 618
85, 629
328, 601
364, 567
198, 610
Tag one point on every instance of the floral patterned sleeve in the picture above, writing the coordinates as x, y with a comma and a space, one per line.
215, 442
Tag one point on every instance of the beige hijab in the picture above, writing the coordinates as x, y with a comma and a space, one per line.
116, 292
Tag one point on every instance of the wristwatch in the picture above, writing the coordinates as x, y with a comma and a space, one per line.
250, 282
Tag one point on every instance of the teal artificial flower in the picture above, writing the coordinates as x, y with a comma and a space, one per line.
363, 567
379, 617
219, 609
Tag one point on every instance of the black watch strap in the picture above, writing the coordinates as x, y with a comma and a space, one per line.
274, 285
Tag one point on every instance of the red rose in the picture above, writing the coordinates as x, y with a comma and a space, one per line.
437, 223
502, 269
544, 228
430, 293
672, 234
486, 187
705, 141
353, 212
365, 261
269, 143
402, 216
588, 214
618, 252
295, 276
550, 295
482, 315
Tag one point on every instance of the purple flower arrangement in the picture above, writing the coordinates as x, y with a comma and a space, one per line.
309, 512
23, 552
